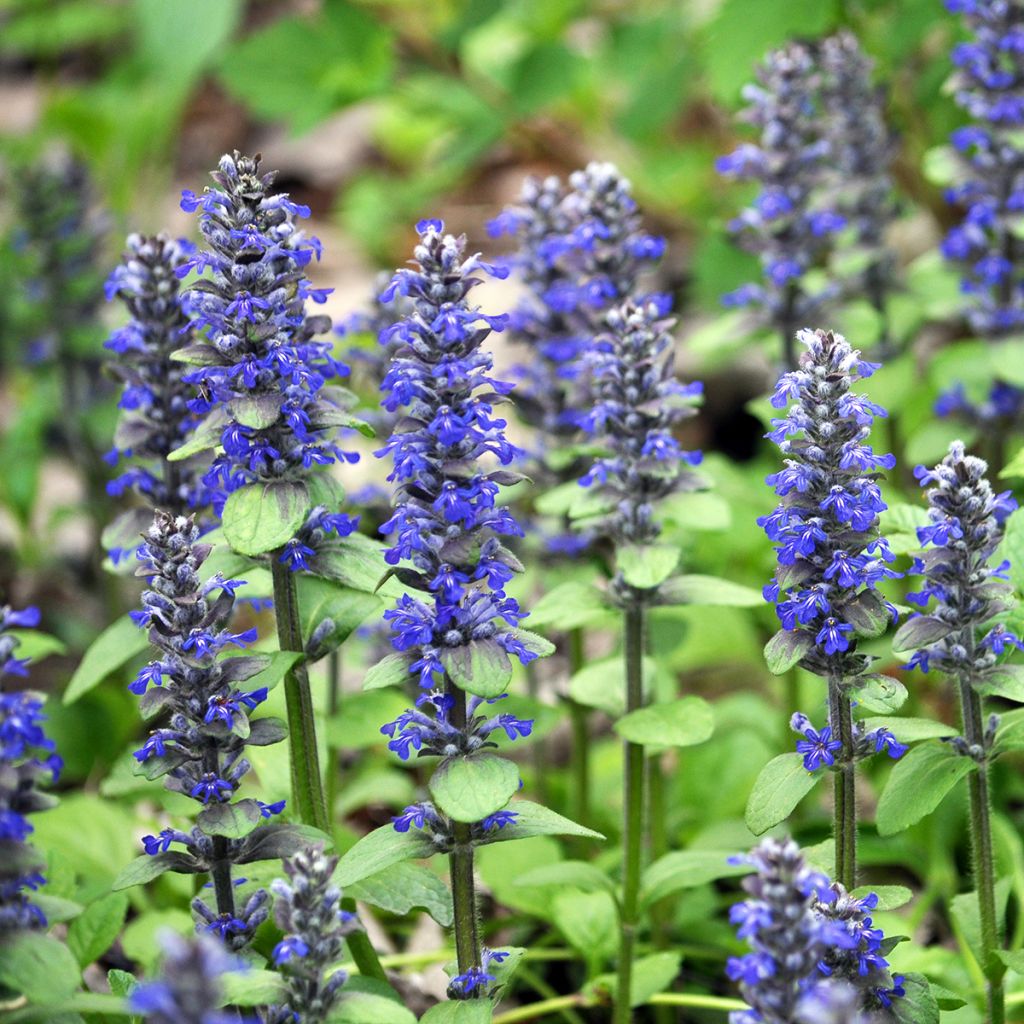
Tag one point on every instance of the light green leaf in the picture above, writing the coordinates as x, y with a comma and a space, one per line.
782, 783
918, 1004
536, 820
589, 922
890, 897
253, 988
459, 1011
346, 607
235, 821
481, 667
39, 967
94, 931
261, 517
651, 974
380, 849
602, 684
910, 730
677, 723
356, 1007
686, 869
391, 670
402, 888
878, 693
205, 437
709, 590
918, 783
646, 565
786, 648
470, 787
574, 874
117, 645
571, 605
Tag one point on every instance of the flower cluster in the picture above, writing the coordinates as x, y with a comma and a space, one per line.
27, 762
189, 989
966, 525
477, 980
261, 376
819, 748
447, 523
207, 710
581, 250
811, 943
308, 910
861, 151
791, 224
825, 526
989, 86
155, 417
438, 827
637, 402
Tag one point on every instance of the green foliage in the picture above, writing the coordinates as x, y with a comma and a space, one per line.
259, 518
918, 783
470, 787
781, 785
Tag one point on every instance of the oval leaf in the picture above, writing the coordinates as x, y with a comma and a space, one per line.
781, 785
785, 650
917, 785
679, 723
469, 788
481, 667
262, 517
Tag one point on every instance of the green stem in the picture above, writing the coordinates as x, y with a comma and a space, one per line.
361, 949
333, 753
542, 1008
220, 863
579, 719
537, 751
467, 939
982, 859
633, 826
308, 800
844, 828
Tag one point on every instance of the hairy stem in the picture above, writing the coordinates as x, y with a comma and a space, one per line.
579, 719
307, 784
633, 825
982, 860
844, 827
467, 939
220, 865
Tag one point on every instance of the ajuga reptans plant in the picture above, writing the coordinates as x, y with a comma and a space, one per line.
830, 555
456, 632
961, 636
155, 417
27, 763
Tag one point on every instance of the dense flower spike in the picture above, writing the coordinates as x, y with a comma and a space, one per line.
27, 762
581, 250
446, 521
637, 403
791, 224
861, 151
813, 944
826, 526
308, 910
967, 522
989, 86
188, 990
203, 702
262, 377
155, 417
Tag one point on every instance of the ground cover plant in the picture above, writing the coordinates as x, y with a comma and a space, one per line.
559, 560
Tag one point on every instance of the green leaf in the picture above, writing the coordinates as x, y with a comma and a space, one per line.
459, 1011
369, 1008
534, 642
967, 917
470, 787
697, 510
253, 988
1002, 681
1014, 468
145, 869
402, 888
646, 565
571, 605
277, 665
602, 684
380, 849
651, 974
918, 783
256, 411
686, 869
918, 1005
206, 436
589, 921
709, 590
573, 874
1010, 733
94, 931
910, 730
262, 517
879, 693
1013, 958
346, 607
391, 670
785, 649
38, 966
890, 897
111, 650
358, 562
357, 725
481, 667
168, 43
782, 783
867, 613
678, 723
536, 820
235, 821
919, 631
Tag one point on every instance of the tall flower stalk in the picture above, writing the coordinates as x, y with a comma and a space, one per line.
456, 636
27, 763
155, 418
965, 640
637, 404
791, 224
830, 555
201, 747
263, 390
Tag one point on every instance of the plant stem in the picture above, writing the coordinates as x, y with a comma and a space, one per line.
844, 828
307, 784
579, 717
361, 949
220, 864
333, 753
467, 939
633, 825
983, 863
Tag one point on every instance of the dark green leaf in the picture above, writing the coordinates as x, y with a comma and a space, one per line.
118, 644
93, 932
256, 411
402, 888
347, 608
276, 841
918, 1005
470, 787
145, 869
536, 820
782, 783
919, 631
380, 849
231, 820
867, 614
918, 783
786, 648
261, 517
481, 667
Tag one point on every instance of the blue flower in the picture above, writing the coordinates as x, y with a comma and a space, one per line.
818, 748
